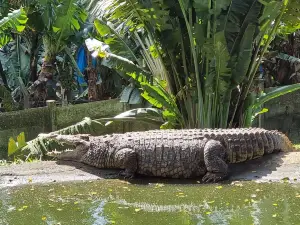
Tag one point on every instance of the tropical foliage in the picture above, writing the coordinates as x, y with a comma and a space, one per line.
206, 52
195, 60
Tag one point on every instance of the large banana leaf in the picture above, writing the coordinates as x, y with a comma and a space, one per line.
14, 22
291, 59
69, 17
276, 92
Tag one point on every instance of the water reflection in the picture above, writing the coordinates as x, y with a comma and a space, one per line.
116, 202
97, 213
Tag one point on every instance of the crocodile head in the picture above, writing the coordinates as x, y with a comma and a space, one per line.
80, 143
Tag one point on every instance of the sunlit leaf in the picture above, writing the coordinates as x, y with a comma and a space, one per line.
21, 140
12, 146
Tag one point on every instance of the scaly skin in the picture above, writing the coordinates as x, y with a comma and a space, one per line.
175, 153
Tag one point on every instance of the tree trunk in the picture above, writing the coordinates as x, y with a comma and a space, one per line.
34, 56
92, 79
44, 87
3, 77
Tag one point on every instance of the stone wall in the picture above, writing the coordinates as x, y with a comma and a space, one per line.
284, 115
47, 119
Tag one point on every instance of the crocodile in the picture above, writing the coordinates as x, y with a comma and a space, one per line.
186, 153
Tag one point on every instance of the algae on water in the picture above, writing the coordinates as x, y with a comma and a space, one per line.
119, 202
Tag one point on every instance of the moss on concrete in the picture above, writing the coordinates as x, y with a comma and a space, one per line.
32, 122
66, 116
25, 118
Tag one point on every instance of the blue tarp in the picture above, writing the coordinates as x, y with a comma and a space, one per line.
82, 64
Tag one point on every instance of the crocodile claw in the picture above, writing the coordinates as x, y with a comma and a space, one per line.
126, 175
213, 177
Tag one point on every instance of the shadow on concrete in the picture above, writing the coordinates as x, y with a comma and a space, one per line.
257, 169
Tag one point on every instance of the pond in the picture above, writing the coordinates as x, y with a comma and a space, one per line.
119, 202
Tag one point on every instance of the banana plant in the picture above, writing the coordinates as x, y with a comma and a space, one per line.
57, 21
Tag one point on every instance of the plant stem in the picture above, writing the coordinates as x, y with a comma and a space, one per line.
197, 74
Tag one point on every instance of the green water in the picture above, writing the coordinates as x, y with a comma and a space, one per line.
118, 202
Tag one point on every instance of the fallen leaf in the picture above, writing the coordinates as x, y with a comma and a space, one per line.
211, 202
274, 215
25, 206
59, 209
29, 180
275, 204
159, 185
297, 196
285, 179
207, 213
75, 203
219, 187
44, 218
137, 210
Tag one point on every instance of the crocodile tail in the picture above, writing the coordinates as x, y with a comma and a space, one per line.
285, 144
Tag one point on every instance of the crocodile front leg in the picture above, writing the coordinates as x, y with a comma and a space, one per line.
214, 158
126, 159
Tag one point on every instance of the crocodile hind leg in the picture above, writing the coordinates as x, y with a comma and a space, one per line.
126, 159
214, 158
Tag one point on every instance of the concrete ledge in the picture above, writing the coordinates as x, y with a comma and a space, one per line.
271, 168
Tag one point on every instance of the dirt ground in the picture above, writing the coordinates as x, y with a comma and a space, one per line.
271, 168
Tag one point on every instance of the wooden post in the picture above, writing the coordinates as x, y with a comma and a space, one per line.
51, 104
